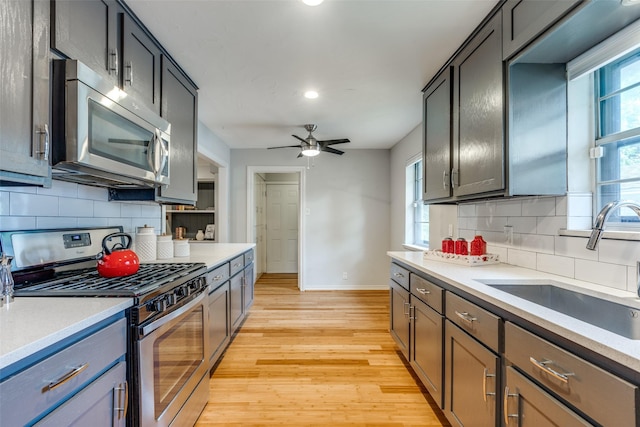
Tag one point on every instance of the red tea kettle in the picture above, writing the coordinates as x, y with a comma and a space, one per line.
119, 260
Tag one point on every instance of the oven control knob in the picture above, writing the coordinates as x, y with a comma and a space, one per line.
160, 304
171, 299
182, 291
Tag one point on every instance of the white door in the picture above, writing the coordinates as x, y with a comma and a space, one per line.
282, 228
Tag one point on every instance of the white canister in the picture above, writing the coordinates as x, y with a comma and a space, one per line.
165, 246
146, 244
181, 248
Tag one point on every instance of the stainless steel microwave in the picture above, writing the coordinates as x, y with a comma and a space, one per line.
102, 137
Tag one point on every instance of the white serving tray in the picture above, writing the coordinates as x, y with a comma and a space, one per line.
470, 260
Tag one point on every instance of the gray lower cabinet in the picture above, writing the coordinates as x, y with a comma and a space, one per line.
248, 287
478, 108
471, 380
399, 317
527, 405
101, 404
426, 347
77, 382
24, 91
219, 321
180, 108
524, 20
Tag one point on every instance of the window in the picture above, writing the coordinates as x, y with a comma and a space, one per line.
618, 135
417, 224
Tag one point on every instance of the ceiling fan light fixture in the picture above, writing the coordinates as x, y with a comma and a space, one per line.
311, 94
311, 150
312, 2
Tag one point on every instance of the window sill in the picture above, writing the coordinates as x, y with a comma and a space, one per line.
607, 234
414, 248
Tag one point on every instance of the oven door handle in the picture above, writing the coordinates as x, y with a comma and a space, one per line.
146, 330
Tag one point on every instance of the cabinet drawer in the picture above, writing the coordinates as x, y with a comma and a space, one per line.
400, 275
237, 264
476, 321
36, 385
607, 399
218, 276
428, 292
248, 257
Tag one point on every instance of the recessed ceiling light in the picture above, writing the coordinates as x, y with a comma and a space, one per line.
311, 94
312, 2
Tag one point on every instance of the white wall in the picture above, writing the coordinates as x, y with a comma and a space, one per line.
347, 228
406, 149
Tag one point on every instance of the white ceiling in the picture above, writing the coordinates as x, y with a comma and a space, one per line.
253, 60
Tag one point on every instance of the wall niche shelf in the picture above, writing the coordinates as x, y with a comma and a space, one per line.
194, 219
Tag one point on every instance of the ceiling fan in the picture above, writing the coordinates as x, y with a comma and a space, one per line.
312, 147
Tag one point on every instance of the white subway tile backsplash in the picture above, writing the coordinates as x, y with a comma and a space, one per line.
93, 222
486, 208
539, 206
107, 209
60, 188
579, 204
560, 265
574, 247
619, 252
17, 222
550, 225
130, 209
537, 243
149, 210
75, 207
611, 275
56, 222
526, 259
524, 224
509, 208
25, 204
467, 210
93, 193
561, 206
491, 223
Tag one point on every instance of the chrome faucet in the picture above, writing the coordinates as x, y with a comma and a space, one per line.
598, 227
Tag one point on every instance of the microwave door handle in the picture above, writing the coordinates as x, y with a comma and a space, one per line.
151, 153
164, 154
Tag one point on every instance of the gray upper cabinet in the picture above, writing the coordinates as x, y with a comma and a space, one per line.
437, 138
87, 31
24, 90
478, 108
140, 64
180, 108
524, 20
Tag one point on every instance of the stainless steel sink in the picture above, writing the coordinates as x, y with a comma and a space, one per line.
616, 317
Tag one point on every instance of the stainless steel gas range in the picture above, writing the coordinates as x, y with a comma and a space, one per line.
168, 337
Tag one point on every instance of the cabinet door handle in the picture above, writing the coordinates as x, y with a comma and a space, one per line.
412, 316
505, 404
423, 291
44, 151
128, 79
466, 317
113, 62
407, 307
121, 408
542, 365
66, 377
454, 178
445, 180
486, 375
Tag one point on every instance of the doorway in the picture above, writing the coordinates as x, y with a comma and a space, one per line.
275, 220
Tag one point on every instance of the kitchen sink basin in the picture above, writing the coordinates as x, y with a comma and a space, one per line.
616, 317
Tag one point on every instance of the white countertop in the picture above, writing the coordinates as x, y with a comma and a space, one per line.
613, 346
30, 324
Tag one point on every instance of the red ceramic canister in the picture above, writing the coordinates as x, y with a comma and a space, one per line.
478, 246
461, 247
447, 245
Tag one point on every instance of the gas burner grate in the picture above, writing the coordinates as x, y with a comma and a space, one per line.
89, 282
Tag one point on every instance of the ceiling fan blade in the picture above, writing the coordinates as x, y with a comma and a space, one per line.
332, 150
300, 155
285, 146
297, 137
334, 141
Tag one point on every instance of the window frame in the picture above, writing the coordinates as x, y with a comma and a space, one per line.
414, 204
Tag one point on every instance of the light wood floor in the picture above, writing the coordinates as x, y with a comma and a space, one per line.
316, 358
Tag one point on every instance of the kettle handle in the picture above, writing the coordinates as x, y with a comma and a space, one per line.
107, 251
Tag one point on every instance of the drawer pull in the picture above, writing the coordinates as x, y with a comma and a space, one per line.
237, 264
423, 291
466, 317
121, 408
66, 377
486, 375
218, 277
542, 365
398, 275
505, 406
